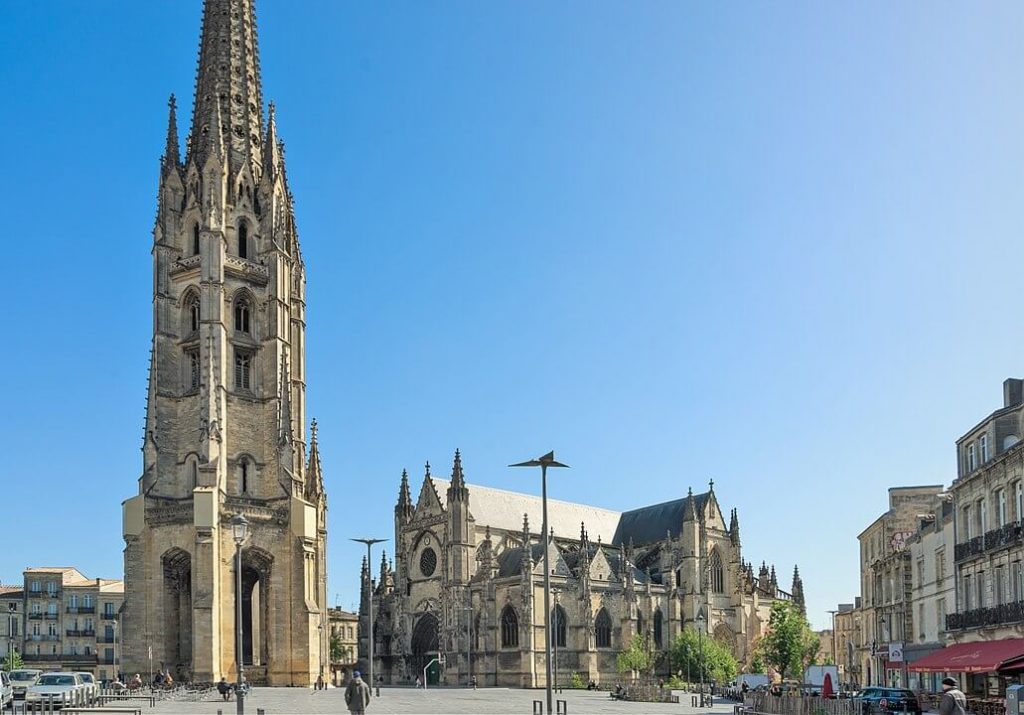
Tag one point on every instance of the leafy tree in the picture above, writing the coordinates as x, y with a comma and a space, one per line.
13, 661
788, 645
337, 651
638, 658
692, 652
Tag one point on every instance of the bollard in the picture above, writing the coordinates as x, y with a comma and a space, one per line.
220, 712
561, 707
538, 707
378, 694
261, 711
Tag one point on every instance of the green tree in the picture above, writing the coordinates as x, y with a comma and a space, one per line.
691, 653
337, 651
13, 661
788, 645
639, 657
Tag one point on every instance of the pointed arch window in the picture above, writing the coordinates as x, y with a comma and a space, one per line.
717, 573
195, 239
242, 312
194, 471
243, 370
509, 628
243, 240
558, 627
603, 629
192, 314
192, 370
244, 472
639, 623
658, 622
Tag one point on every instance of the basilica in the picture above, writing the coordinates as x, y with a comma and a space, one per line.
463, 597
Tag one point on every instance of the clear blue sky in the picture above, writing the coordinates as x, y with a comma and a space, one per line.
773, 244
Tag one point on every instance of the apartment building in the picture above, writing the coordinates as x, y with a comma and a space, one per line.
848, 642
71, 621
12, 619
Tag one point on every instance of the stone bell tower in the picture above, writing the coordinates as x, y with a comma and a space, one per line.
225, 412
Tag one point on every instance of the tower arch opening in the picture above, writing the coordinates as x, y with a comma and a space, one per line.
177, 611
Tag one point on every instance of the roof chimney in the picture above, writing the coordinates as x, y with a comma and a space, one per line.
1013, 391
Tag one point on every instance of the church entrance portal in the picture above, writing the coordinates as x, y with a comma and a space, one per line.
425, 648
177, 567
256, 565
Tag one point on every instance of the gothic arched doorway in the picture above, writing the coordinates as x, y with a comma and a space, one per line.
255, 607
177, 568
425, 647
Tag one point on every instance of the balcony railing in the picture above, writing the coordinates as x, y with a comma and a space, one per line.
42, 657
81, 658
106, 639
1011, 534
81, 609
109, 616
106, 661
81, 633
986, 617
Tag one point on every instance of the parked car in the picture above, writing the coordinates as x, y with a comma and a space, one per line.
89, 686
889, 700
6, 691
21, 678
63, 688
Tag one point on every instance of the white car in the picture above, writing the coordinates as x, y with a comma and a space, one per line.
63, 688
21, 678
89, 686
6, 690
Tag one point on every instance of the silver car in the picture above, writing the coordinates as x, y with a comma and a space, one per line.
62, 688
22, 678
6, 690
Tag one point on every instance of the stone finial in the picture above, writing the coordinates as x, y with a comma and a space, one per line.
172, 159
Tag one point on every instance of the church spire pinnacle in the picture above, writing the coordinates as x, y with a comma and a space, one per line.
228, 83
457, 490
404, 508
171, 159
314, 471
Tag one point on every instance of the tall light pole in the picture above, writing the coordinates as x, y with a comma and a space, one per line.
554, 638
548, 460
369, 603
835, 651
239, 530
11, 622
700, 647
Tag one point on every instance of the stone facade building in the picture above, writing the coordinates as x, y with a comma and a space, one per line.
12, 619
225, 413
848, 642
70, 621
886, 582
989, 498
467, 584
344, 628
934, 592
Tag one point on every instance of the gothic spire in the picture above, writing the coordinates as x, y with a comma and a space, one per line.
314, 473
457, 490
734, 527
689, 509
171, 158
228, 82
526, 531
273, 156
797, 590
404, 508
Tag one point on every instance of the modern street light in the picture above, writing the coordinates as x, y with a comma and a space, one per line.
548, 460
11, 623
835, 651
700, 647
554, 638
239, 530
369, 603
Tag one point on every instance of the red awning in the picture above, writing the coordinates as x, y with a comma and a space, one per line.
982, 657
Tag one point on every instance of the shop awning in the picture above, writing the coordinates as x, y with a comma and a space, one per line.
981, 657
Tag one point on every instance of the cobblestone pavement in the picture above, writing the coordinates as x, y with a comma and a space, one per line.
485, 701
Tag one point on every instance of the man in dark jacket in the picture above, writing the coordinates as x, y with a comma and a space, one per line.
357, 695
953, 701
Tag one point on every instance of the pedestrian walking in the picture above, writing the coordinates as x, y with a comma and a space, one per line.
357, 695
953, 701
320, 684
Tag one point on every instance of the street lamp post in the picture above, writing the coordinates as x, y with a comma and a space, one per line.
369, 604
548, 460
554, 639
239, 530
700, 647
11, 622
835, 651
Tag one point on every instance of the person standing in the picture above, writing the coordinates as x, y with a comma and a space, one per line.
357, 695
953, 701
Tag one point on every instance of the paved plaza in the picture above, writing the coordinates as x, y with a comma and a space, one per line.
485, 701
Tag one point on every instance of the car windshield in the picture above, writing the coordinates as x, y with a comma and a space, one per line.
900, 694
23, 675
86, 677
56, 680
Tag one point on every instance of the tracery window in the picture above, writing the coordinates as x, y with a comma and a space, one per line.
717, 573
509, 628
243, 370
242, 315
192, 376
658, 619
195, 239
558, 627
603, 629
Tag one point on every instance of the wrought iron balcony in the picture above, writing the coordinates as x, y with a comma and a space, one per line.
1003, 537
986, 617
81, 609
81, 633
109, 616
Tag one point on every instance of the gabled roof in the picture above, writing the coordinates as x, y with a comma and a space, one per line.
68, 574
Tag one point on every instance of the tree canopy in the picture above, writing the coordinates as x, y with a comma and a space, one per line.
789, 645
691, 652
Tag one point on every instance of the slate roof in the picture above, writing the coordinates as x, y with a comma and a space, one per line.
649, 524
502, 509
510, 562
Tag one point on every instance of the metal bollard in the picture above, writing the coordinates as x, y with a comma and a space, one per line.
378, 691
561, 707
220, 712
538, 707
